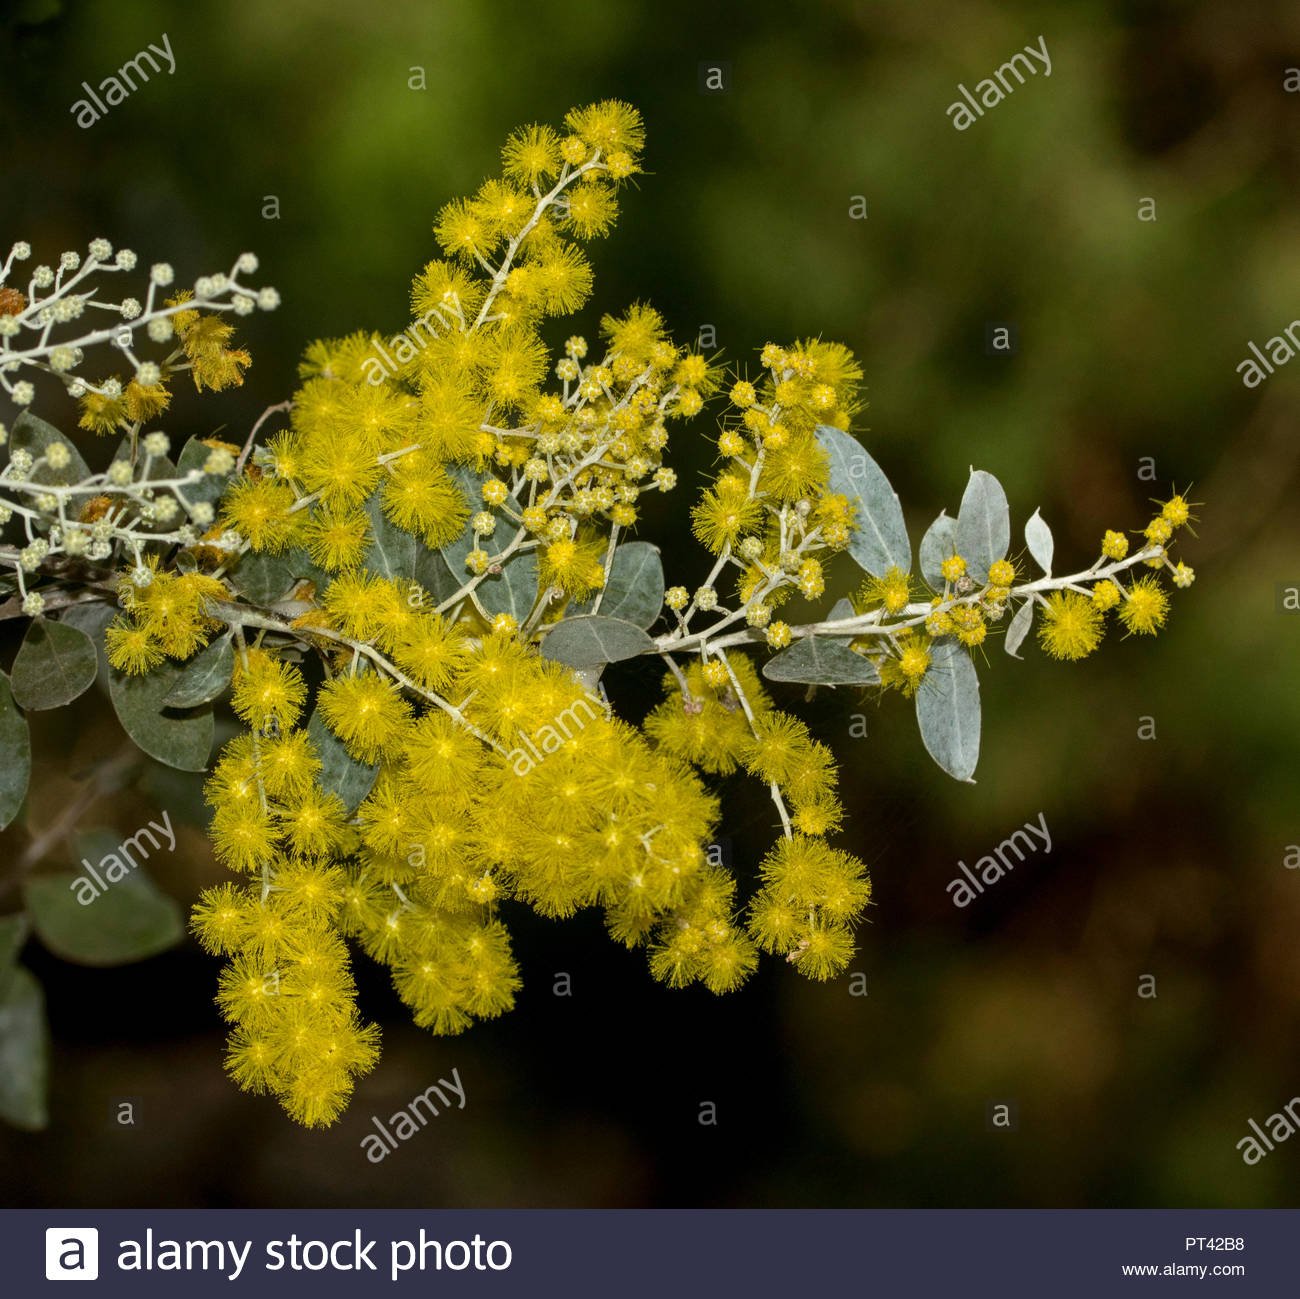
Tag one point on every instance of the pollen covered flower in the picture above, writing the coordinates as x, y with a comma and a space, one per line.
365, 711
1145, 607
1071, 625
267, 690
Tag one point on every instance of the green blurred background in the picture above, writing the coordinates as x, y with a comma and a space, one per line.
1168, 854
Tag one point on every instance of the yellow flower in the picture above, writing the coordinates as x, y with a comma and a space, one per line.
365, 711
1114, 545
259, 510
1105, 595
1071, 626
572, 565
1145, 607
267, 690
131, 649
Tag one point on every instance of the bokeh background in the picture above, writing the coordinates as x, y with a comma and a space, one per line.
1168, 854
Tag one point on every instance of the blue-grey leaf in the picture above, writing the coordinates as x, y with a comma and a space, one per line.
513, 590
15, 755
938, 544
54, 664
635, 589
13, 934
194, 455
1038, 537
879, 540
341, 773
983, 524
1019, 628
204, 677
821, 661
24, 1053
948, 709
183, 740
593, 640
36, 436
392, 549
129, 919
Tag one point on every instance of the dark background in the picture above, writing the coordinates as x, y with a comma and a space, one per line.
1168, 854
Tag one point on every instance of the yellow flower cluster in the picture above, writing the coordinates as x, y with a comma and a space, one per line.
811, 895
532, 792
166, 617
466, 385
770, 511
204, 350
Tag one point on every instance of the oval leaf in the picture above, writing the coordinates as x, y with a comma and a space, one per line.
1038, 537
635, 589
879, 540
1019, 628
948, 709
470, 483
13, 934
983, 524
129, 920
593, 640
24, 1052
513, 590
821, 661
340, 773
938, 544
55, 664
392, 549
35, 435
15, 755
181, 740
204, 677
209, 488
264, 578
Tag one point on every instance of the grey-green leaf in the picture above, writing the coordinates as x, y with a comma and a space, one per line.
821, 661
635, 589
15, 755
129, 920
55, 664
948, 709
183, 740
983, 524
392, 549
1019, 628
432, 573
593, 640
879, 540
13, 934
208, 488
24, 1053
513, 590
938, 544
204, 677
32, 434
341, 773
1038, 537
470, 483
265, 578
